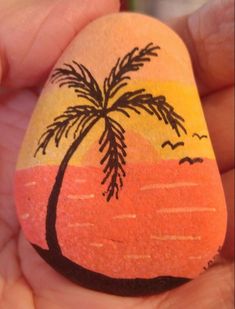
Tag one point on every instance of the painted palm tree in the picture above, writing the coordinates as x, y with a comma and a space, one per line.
80, 119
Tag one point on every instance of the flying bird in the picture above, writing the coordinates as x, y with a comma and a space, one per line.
199, 136
191, 161
173, 146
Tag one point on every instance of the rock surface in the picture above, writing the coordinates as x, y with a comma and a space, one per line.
117, 186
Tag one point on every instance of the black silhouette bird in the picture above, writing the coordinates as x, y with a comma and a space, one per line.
199, 136
173, 146
191, 161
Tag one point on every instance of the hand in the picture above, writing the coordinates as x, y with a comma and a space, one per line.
32, 36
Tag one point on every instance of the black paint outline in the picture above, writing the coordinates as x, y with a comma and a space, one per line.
173, 146
101, 283
200, 137
191, 161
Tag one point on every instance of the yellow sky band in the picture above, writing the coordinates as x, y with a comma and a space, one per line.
145, 134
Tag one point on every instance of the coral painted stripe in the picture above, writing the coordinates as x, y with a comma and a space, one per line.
30, 184
168, 185
186, 209
81, 224
98, 245
127, 216
137, 257
80, 197
80, 181
25, 216
176, 237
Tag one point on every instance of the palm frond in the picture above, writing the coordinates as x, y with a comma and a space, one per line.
78, 77
131, 62
112, 144
76, 118
139, 101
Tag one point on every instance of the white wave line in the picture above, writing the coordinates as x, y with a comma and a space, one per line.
195, 257
186, 209
168, 185
80, 197
125, 216
25, 216
30, 184
98, 245
137, 256
175, 237
86, 224
80, 180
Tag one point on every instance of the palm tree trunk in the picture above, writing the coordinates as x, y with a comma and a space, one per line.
51, 234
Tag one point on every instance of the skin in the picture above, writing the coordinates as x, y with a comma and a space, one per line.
30, 44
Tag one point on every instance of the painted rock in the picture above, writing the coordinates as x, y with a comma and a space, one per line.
117, 186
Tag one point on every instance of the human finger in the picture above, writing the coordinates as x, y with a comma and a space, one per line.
228, 183
219, 112
209, 36
15, 111
33, 34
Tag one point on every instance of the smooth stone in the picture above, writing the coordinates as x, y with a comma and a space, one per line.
117, 186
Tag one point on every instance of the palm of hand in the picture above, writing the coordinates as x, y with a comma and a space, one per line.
27, 281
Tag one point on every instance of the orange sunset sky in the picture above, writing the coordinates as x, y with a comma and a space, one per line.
170, 75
